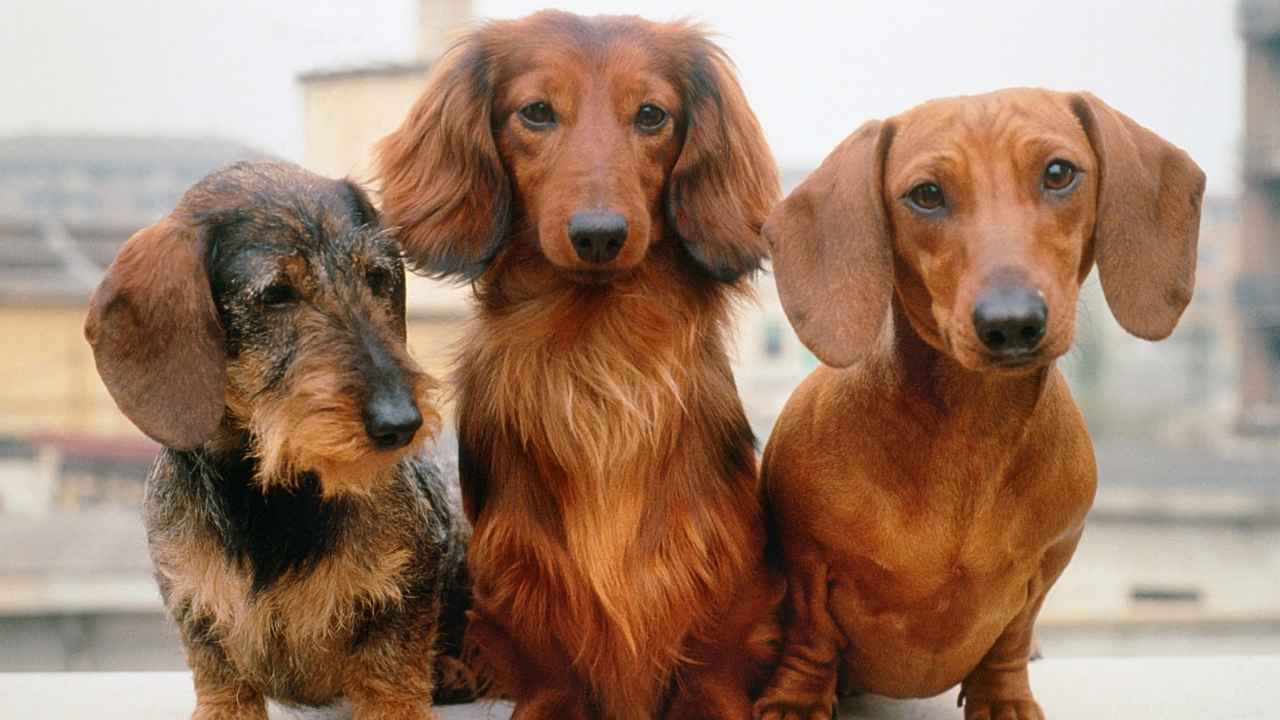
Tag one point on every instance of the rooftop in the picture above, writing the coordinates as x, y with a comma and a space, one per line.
67, 203
209, 152
50, 261
412, 67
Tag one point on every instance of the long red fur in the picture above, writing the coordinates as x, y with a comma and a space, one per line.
606, 461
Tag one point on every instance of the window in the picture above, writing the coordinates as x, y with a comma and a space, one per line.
773, 338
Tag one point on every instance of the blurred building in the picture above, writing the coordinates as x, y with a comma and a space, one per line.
1185, 388
348, 109
1258, 291
88, 179
768, 358
75, 585
67, 203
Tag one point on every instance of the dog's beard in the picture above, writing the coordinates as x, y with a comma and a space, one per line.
317, 428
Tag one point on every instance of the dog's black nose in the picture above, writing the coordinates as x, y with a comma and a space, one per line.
597, 236
1010, 320
391, 419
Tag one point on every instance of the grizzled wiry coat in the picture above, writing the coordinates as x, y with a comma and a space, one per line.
304, 548
284, 585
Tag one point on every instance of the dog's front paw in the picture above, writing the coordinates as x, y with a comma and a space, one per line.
1002, 710
781, 705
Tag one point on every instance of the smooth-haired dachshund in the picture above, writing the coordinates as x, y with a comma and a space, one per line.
930, 485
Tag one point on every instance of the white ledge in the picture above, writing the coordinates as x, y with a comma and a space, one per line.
1219, 688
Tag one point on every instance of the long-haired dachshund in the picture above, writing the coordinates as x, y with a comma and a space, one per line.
930, 486
305, 551
602, 183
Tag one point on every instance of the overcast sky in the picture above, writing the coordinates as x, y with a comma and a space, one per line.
812, 70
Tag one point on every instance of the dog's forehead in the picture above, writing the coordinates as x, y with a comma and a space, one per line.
295, 227
267, 191
994, 122
262, 241
621, 60
252, 258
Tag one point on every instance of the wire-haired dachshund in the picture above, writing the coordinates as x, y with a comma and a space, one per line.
305, 551
602, 183
930, 485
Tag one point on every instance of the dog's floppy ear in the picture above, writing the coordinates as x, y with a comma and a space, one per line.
363, 211
1148, 219
156, 337
442, 181
725, 181
832, 254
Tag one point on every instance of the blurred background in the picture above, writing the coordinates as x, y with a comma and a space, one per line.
111, 110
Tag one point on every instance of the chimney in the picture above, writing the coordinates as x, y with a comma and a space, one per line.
440, 22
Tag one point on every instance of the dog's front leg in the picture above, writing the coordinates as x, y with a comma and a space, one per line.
999, 686
730, 660
390, 677
540, 681
804, 685
221, 694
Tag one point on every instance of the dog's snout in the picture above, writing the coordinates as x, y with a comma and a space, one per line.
1010, 319
391, 418
597, 236
390, 413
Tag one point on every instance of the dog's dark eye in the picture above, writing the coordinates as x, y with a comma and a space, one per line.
538, 114
1059, 175
927, 196
650, 117
278, 295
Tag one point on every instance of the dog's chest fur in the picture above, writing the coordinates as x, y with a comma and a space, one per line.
282, 583
609, 432
932, 551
